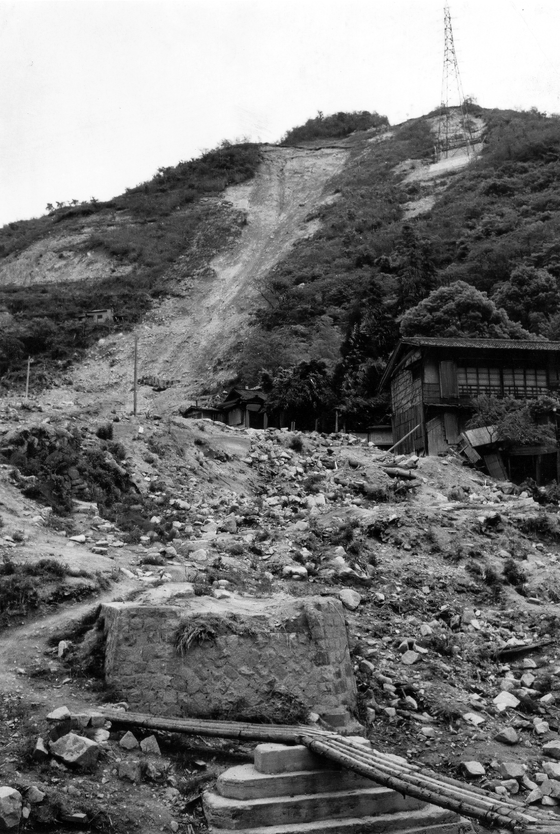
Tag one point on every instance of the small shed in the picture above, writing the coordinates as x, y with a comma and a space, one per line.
98, 316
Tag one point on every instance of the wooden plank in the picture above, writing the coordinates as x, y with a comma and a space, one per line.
436, 437
495, 466
451, 426
448, 379
482, 436
523, 451
466, 449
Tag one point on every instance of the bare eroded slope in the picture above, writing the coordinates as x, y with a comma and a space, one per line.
189, 338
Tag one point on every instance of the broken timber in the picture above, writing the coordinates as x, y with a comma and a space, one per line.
389, 771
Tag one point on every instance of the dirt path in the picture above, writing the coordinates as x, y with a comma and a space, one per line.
186, 338
22, 649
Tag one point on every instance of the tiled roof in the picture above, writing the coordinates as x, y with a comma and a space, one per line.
464, 341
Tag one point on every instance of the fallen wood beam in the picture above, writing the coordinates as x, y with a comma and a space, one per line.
440, 784
399, 472
202, 727
495, 815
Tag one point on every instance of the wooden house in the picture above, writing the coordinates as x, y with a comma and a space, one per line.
245, 407
433, 381
241, 407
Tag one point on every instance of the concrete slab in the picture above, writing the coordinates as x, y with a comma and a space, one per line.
223, 812
429, 820
245, 782
281, 758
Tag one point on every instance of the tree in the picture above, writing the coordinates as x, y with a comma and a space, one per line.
266, 351
370, 338
302, 392
11, 348
530, 296
415, 267
460, 310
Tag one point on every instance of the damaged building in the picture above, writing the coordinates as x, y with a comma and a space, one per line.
433, 382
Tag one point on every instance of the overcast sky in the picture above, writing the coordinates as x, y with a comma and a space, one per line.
95, 95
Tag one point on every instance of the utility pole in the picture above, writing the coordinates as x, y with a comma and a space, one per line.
134, 409
452, 87
27, 379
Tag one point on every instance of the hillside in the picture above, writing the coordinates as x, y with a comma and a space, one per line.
308, 251
315, 251
455, 569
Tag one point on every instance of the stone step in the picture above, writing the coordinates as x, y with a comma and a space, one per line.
245, 782
427, 820
223, 812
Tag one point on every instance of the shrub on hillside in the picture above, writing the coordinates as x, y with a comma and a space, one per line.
333, 127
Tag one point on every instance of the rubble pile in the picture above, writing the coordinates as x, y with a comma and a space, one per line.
449, 582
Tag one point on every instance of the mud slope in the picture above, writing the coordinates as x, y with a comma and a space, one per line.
190, 338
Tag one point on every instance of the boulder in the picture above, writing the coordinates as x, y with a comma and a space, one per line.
552, 749
505, 700
350, 599
150, 745
10, 808
512, 770
59, 714
33, 795
473, 768
75, 751
552, 770
507, 736
129, 741
409, 657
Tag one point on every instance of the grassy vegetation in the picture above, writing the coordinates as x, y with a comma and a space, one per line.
150, 227
495, 227
339, 295
23, 586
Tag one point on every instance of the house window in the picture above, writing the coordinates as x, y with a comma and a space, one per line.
473, 381
512, 382
524, 382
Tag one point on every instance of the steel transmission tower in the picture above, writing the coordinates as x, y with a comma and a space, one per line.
451, 134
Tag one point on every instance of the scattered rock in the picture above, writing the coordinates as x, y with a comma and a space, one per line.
473, 768
507, 736
505, 700
59, 714
552, 770
150, 745
75, 751
129, 769
535, 796
349, 598
129, 741
33, 795
552, 749
40, 753
512, 770
10, 808
409, 657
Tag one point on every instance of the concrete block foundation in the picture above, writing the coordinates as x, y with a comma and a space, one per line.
242, 658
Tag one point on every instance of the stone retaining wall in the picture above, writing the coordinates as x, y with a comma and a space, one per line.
261, 647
